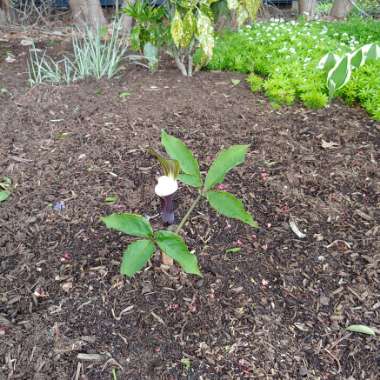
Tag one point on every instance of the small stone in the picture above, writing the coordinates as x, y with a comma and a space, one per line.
324, 301
303, 371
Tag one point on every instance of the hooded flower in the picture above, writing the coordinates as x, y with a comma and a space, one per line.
166, 186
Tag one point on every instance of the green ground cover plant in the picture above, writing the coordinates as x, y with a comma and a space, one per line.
286, 56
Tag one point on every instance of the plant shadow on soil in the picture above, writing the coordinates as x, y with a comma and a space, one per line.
276, 309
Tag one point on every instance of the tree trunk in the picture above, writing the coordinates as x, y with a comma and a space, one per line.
4, 12
88, 13
307, 8
341, 8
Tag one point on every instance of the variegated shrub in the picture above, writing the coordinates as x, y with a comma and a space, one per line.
191, 25
339, 69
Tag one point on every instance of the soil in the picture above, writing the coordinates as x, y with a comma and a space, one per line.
277, 309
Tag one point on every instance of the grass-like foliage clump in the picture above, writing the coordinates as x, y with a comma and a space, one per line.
286, 55
96, 54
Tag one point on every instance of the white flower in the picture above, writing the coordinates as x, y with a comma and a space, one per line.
165, 186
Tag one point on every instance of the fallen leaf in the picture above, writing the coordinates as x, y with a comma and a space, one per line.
67, 286
296, 230
235, 82
329, 144
27, 42
363, 329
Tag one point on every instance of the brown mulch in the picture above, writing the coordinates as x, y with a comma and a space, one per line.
277, 309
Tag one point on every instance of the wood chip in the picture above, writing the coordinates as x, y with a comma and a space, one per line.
296, 230
91, 357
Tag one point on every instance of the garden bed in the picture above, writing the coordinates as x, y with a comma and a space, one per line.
278, 308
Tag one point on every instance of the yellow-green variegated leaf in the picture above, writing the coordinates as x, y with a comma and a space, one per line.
252, 7
371, 52
205, 34
242, 15
188, 29
176, 28
357, 58
340, 74
232, 4
328, 61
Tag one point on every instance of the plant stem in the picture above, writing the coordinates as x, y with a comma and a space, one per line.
189, 211
180, 65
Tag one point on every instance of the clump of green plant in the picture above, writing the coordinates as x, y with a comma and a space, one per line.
97, 54
364, 88
5, 188
149, 26
182, 27
339, 69
255, 82
366, 8
184, 167
149, 34
323, 8
280, 90
364, 30
286, 56
43, 69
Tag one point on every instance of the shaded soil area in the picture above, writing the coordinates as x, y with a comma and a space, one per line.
277, 309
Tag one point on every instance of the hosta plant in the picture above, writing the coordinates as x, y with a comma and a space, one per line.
340, 69
182, 166
191, 25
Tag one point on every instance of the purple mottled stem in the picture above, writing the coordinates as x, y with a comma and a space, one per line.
167, 209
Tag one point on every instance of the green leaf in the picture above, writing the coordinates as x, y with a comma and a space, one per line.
136, 256
189, 180
328, 61
340, 74
228, 205
130, 224
235, 82
111, 199
186, 363
226, 160
124, 94
357, 58
173, 245
371, 52
233, 250
177, 150
6, 181
363, 329
4, 195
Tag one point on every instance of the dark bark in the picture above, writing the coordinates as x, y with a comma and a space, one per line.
341, 8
